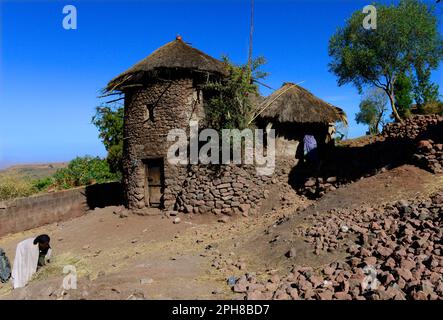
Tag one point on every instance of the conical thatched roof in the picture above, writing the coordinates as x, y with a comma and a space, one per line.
294, 104
175, 55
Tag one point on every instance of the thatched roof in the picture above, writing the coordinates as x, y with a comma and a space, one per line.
294, 104
175, 55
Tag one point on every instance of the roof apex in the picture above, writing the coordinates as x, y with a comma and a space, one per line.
176, 54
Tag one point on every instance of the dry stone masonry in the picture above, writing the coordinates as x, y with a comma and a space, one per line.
426, 132
418, 141
228, 189
148, 120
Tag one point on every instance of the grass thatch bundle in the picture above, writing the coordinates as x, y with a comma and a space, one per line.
294, 104
176, 55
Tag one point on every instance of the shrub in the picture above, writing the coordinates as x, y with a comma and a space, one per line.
432, 108
109, 122
15, 187
43, 184
84, 171
230, 105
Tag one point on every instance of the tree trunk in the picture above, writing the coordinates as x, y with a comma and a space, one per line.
394, 109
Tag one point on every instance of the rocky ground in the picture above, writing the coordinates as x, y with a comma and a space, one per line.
395, 252
387, 225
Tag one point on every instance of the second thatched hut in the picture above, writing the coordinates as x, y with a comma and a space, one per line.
295, 112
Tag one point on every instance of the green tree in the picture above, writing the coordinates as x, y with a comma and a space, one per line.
84, 171
231, 104
403, 96
109, 121
373, 109
406, 37
425, 91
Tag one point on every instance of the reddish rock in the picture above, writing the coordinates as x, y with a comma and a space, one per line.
255, 295
355, 261
316, 281
324, 295
293, 293
304, 285
375, 226
404, 273
401, 283
241, 287
342, 296
435, 277
328, 270
275, 279
383, 251
387, 279
309, 294
281, 295
395, 293
365, 252
271, 287
420, 295
355, 281
424, 145
370, 261
390, 263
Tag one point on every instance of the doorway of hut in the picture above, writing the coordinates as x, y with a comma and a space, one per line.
154, 182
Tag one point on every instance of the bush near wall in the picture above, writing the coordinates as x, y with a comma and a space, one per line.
83, 171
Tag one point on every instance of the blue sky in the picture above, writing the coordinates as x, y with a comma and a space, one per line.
50, 77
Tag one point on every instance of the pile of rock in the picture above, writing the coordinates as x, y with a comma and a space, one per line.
395, 252
426, 132
429, 155
317, 187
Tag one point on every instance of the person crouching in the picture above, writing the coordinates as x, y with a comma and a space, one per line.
30, 255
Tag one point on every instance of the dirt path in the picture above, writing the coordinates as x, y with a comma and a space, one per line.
114, 255
150, 257
153, 258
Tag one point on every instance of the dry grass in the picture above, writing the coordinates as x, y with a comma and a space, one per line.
18, 181
14, 186
55, 267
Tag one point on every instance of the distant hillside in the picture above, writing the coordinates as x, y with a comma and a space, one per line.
33, 171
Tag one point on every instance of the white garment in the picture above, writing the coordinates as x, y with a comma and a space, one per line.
25, 262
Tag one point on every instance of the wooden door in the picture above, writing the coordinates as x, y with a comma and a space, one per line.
153, 182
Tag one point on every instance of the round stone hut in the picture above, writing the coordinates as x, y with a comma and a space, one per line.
162, 92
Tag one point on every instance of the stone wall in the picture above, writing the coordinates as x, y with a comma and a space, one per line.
426, 133
228, 189
412, 128
418, 141
28, 213
22, 214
